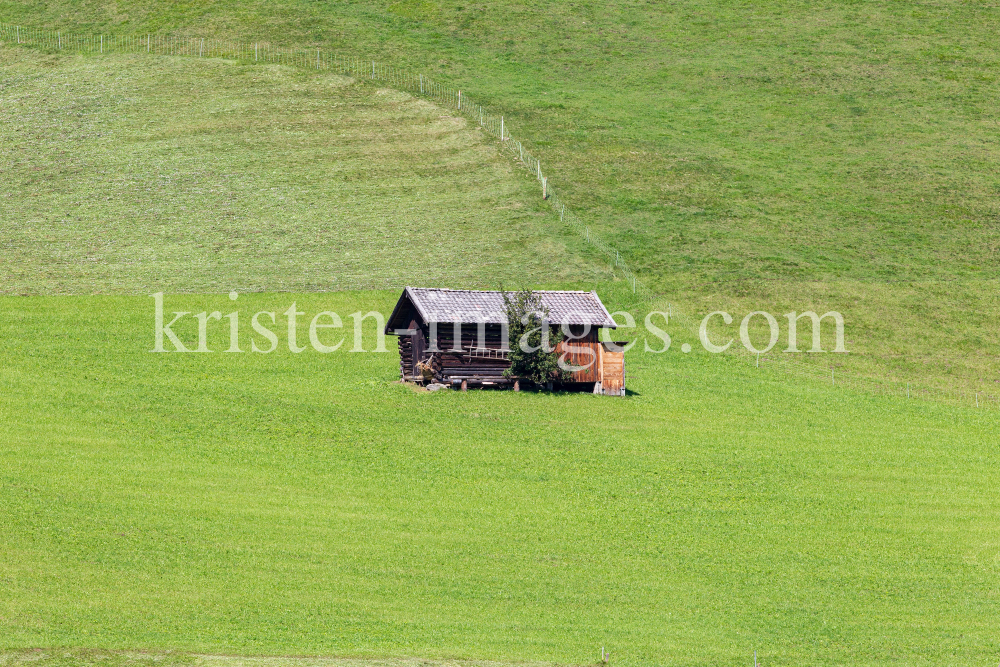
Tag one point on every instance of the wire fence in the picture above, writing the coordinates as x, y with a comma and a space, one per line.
319, 59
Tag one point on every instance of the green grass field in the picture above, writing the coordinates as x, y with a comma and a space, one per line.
75, 658
757, 157
306, 504
172, 509
790, 140
136, 174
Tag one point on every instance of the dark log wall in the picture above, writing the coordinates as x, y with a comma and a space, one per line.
493, 336
470, 357
405, 357
474, 357
482, 357
418, 345
469, 336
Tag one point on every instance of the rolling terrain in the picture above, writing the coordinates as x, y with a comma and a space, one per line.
780, 156
306, 504
132, 174
788, 141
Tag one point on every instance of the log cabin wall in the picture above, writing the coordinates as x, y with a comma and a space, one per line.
478, 352
406, 363
483, 355
471, 355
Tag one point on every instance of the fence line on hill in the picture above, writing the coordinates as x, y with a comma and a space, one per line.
355, 66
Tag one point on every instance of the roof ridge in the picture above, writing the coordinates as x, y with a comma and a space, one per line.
496, 291
443, 304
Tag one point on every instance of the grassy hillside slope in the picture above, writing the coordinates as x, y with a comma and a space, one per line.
137, 174
85, 658
784, 140
305, 504
777, 157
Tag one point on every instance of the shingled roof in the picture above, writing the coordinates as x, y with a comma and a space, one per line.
473, 306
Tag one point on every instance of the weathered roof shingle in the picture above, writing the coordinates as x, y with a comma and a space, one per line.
473, 306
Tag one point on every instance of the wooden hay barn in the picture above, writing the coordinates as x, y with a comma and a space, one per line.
457, 338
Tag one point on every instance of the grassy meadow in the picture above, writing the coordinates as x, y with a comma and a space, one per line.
306, 504
169, 509
722, 143
133, 174
759, 157
75, 658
